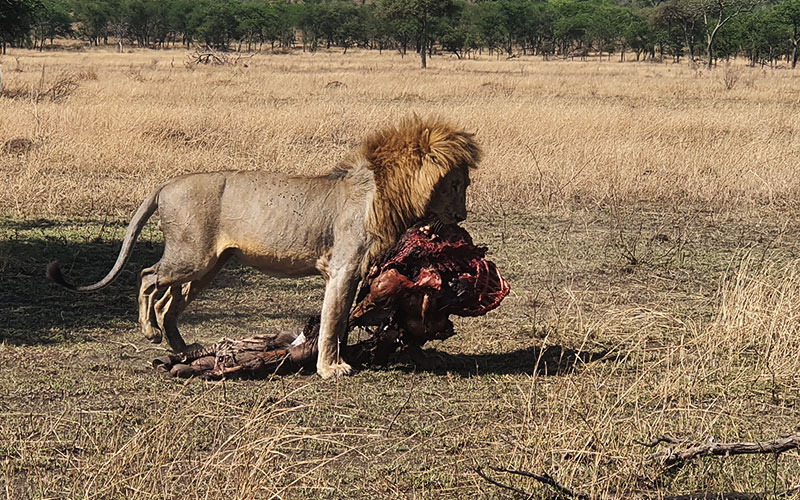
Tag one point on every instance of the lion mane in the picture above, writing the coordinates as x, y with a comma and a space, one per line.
407, 161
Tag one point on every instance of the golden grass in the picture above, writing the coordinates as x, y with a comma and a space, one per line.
554, 133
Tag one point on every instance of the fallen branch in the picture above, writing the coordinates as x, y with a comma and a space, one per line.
733, 495
672, 456
663, 439
479, 471
542, 478
208, 55
707, 495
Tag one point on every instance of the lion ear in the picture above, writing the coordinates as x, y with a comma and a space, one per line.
425, 141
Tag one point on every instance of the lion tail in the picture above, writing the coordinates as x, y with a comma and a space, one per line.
143, 213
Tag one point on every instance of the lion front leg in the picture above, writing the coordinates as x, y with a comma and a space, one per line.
340, 290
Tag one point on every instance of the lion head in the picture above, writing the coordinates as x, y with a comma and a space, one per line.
420, 168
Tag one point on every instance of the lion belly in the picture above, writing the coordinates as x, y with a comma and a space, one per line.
287, 267
280, 225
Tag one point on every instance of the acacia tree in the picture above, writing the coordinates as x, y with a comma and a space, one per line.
490, 25
715, 14
141, 17
573, 26
220, 24
461, 34
761, 35
351, 26
94, 18
684, 15
607, 26
51, 18
637, 34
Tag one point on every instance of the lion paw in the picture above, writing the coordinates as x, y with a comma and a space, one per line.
152, 334
337, 369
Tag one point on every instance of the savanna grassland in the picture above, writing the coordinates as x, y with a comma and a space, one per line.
646, 216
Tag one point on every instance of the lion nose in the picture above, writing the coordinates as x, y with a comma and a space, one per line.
460, 217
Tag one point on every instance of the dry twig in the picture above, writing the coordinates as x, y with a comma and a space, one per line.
542, 478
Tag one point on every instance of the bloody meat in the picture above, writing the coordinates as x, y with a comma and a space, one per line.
405, 300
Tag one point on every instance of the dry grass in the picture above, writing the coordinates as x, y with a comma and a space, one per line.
554, 133
644, 214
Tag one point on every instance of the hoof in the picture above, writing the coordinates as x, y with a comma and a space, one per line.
178, 346
338, 369
162, 363
181, 371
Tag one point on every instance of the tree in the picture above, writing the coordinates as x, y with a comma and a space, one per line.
573, 24
637, 34
141, 17
285, 22
253, 17
16, 17
515, 15
539, 32
760, 35
460, 34
351, 25
788, 11
219, 23
262, 21
491, 25
180, 15
420, 14
310, 18
715, 14
94, 18
607, 26
684, 15
51, 18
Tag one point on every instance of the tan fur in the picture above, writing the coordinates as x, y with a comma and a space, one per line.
333, 225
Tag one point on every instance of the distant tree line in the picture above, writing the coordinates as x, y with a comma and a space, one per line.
764, 31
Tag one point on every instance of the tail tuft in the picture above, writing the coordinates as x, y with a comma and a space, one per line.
55, 275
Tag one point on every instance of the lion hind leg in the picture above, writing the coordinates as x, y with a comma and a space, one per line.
177, 297
147, 291
167, 310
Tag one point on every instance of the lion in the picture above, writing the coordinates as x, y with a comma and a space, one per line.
291, 226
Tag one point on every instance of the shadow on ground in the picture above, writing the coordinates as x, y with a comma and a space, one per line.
552, 360
35, 311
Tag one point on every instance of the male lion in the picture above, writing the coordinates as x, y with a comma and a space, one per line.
334, 225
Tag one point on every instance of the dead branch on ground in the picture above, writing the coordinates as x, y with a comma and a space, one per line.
672, 455
208, 55
545, 478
